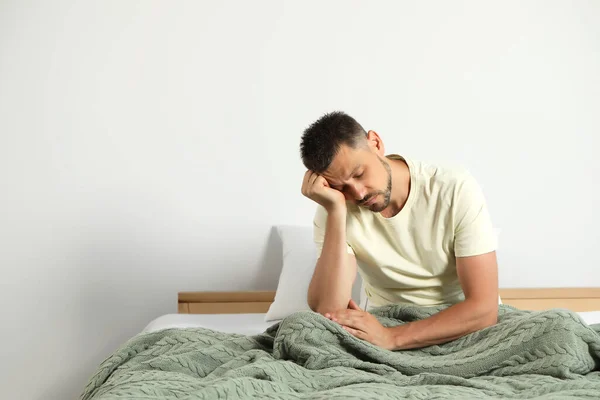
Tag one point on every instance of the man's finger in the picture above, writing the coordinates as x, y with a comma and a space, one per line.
353, 306
305, 182
352, 322
355, 332
313, 178
348, 312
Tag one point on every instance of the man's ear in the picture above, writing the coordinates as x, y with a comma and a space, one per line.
375, 143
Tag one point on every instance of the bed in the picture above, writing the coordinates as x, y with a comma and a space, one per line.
244, 312
546, 345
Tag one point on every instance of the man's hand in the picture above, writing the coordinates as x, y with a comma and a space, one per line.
363, 325
316, 188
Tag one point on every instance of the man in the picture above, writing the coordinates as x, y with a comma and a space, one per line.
418, 233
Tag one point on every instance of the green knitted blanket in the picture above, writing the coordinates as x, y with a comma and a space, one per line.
549, 354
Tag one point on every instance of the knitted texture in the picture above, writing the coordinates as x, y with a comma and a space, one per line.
549, 354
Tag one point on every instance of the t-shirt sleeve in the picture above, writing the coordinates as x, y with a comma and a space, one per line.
319, 226
473, 230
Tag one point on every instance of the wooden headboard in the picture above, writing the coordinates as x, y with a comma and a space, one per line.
225, 302
575, 299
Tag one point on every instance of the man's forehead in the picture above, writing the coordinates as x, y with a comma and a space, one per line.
344, 164
343, 171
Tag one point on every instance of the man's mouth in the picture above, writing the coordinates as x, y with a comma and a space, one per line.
370, 201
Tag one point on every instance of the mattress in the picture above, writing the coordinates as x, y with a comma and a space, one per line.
245, 324
251, 324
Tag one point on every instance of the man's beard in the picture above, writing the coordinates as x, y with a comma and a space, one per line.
387, 194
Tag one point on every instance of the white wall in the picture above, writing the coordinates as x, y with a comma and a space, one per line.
149, 147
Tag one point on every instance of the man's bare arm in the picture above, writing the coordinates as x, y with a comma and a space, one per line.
331, 285
478, 276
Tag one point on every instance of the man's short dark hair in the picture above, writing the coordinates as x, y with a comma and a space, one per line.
321, 141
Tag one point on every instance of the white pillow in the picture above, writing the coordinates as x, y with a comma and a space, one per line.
299, 260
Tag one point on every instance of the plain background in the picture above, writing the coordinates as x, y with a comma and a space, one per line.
150, 147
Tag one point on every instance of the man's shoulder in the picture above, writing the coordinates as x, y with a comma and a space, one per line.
443, 174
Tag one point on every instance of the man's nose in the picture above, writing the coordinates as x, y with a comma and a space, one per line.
358, 192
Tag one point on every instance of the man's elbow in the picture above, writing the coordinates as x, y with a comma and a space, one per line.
313, 303
320, 306
489, 317
317, 307
483, 314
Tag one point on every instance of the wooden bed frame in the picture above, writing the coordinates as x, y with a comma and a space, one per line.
575, 299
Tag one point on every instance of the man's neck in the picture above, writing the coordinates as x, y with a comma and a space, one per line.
400, 187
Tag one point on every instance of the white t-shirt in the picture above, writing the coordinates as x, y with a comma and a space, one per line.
411, 257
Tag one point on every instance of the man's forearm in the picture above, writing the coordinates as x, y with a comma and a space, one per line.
331, 285
450, 324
